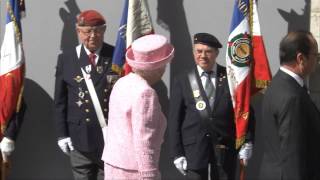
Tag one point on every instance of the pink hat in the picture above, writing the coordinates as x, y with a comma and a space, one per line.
149, 52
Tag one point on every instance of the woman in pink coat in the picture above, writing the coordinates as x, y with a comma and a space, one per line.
136, 123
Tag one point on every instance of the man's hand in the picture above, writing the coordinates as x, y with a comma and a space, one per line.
7, 146
245, 152
181, 164
65, 145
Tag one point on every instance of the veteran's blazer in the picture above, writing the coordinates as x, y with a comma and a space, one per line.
74, 112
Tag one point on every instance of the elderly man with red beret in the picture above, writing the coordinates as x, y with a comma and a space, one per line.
83, 83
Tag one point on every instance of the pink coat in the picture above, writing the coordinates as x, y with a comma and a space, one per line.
136, 127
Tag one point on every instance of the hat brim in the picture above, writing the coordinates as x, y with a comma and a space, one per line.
134, 63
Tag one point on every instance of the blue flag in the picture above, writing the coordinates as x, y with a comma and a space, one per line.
118, 58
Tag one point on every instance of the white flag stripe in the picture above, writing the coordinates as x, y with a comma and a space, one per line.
11, 51
256, 24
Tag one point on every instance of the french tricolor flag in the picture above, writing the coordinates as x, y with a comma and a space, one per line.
247, 64
12, 64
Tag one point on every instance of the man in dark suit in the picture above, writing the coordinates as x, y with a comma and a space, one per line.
201, 119
290, 120
80, 110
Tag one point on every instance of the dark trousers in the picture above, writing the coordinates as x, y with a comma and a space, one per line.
86, 165
223, 163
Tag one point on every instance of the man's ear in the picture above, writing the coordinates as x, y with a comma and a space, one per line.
300, 58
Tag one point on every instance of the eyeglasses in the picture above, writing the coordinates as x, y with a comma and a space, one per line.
97, 30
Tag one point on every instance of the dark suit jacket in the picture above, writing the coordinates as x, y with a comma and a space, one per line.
291, 131
80, 122
188, 135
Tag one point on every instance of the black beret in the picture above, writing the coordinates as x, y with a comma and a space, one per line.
207, 39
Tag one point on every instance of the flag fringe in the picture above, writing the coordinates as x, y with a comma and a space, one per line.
261, 84
239, 142
117, 69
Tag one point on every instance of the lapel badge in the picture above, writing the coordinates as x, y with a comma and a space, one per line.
99, 69
200, 105
78, 79
81, 93
79, 102
88, 69
196, 93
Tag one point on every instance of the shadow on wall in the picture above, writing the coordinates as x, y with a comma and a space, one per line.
296, 21
172, 17
37, 155
69, 37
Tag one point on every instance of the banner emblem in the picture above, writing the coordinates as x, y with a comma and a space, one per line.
239, 50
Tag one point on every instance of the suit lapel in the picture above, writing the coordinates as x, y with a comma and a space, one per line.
96, 72
104, 62
84, 61
220, 81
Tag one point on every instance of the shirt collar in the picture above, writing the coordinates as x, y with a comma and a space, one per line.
78, 49
214, 70
97, 52
294, 75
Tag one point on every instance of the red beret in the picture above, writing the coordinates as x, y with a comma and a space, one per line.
90, 18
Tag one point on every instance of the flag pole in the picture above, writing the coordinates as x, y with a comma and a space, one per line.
5, 165
242, 168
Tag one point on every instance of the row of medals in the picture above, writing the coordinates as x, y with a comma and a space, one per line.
78, 79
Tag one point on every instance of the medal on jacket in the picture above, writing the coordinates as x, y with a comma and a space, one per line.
99, 69
79, 102
78, 79
196, 93
201, 105
88, 69
81, 93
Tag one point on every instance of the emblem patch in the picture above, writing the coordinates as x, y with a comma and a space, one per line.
239, 49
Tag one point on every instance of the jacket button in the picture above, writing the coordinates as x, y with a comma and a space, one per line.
87, 101
105, 100
87, 110
208, 135
105, 109
88, 119
86, 92
105, 90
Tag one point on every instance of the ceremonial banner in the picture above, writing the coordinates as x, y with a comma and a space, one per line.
12, 65
135, 22
247, 65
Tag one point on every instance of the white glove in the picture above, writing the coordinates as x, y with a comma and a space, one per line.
6, 146
65, 145
181, 164
245, 152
